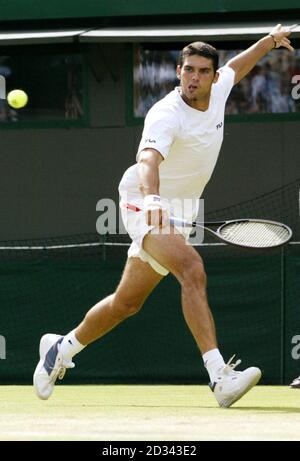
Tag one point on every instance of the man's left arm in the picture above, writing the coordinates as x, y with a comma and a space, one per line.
244, 62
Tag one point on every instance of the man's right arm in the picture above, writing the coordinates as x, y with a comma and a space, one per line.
148, 168
148, 163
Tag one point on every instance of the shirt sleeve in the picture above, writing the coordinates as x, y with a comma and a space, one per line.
226, 80
159, 132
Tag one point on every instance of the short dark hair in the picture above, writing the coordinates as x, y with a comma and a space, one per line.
200, 49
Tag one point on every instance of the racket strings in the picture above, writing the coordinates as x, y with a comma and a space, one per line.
254, 234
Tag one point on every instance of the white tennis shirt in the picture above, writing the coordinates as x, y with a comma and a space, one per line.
189, 140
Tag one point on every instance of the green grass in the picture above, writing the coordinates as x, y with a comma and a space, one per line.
165, 413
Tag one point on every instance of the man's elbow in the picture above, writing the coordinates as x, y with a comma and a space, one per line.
150, 157
236, 70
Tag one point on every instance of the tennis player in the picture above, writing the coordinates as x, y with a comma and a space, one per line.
181, 141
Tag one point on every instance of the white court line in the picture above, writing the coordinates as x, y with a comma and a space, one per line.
97, 244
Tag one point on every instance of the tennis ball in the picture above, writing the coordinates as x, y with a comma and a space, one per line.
17, 99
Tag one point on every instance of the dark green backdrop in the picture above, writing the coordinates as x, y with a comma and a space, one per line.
254, 298
37, 9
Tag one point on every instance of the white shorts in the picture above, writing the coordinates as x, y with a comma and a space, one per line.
136, 226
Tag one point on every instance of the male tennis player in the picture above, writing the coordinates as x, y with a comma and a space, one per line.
182, 137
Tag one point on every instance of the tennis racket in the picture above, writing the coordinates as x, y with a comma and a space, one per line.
247, 233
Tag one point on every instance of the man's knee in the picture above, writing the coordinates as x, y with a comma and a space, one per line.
193, 274
123, 308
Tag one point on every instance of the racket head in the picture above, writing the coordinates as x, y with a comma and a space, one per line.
255, 233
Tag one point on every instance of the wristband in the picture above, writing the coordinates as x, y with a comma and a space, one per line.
274, 40
152, 202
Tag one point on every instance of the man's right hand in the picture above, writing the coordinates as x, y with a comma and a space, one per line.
156, 213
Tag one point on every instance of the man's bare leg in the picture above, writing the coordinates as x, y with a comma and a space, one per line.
184, 262
186, 265
56, 351
137, 282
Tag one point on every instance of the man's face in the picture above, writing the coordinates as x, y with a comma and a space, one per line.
197, 76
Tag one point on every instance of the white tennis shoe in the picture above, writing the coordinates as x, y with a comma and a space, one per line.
229, 385
296, 383
51, 366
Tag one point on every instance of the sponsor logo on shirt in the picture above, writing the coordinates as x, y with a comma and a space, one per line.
219, 125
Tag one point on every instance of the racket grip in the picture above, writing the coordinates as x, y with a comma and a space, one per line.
180, 222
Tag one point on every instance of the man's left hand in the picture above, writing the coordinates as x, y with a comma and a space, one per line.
280, 35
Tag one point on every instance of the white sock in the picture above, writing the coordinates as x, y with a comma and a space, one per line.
213, 362
70, 346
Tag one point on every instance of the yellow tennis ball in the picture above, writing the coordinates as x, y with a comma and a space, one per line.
17, 99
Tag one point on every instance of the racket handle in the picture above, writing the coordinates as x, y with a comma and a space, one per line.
180, 222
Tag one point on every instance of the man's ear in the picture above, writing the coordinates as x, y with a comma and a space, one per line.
178, 71
216, 77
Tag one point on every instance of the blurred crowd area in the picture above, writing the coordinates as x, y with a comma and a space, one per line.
154, 77
267, 89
